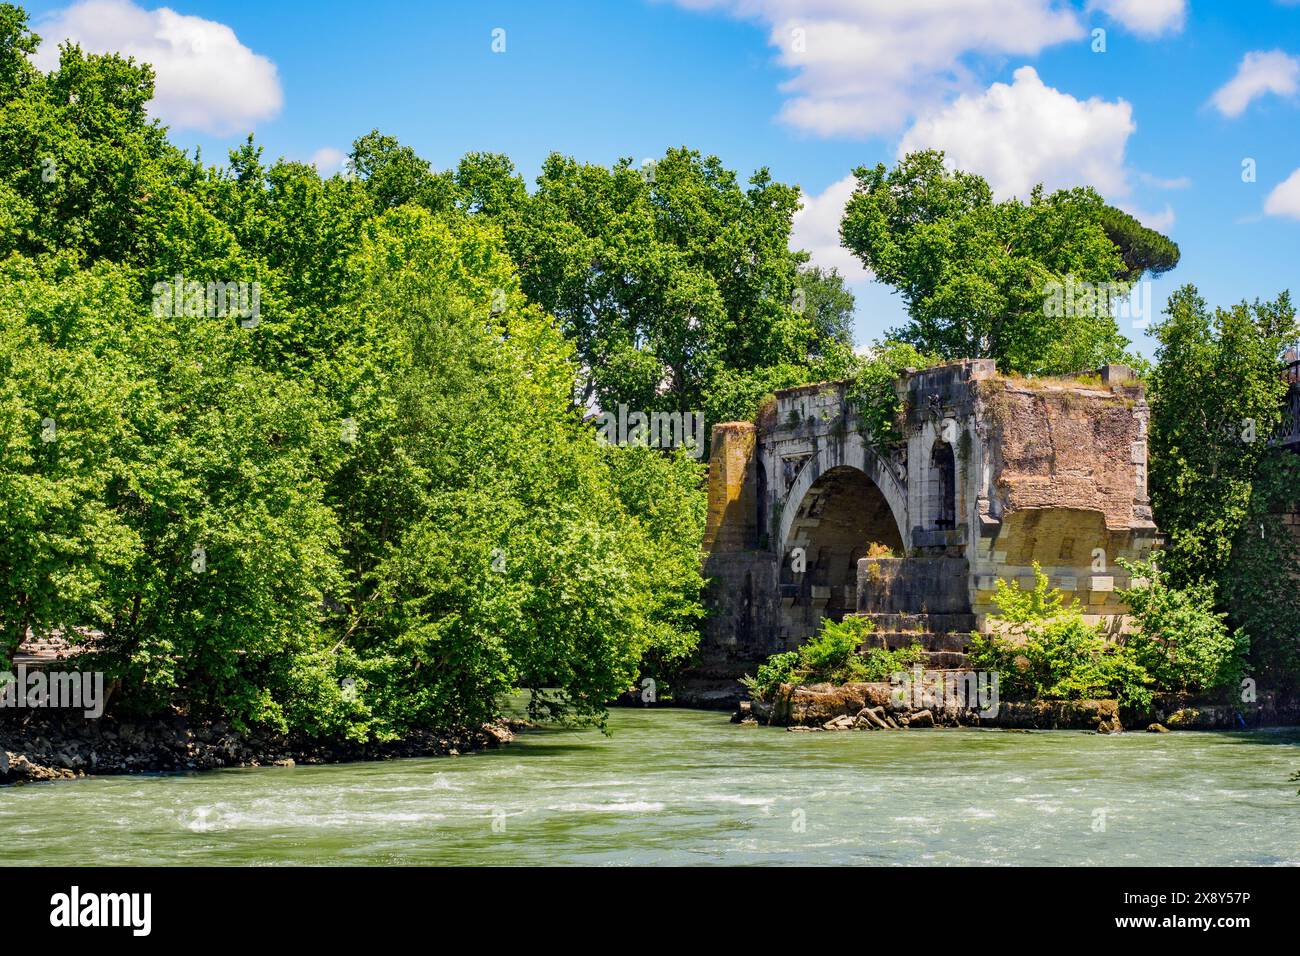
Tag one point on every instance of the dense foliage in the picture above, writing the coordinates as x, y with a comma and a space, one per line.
832, 656
873, 389
1042, 648
374, 500
1217, 397
366, 503
675, 281
1258, 586
1218, 488
1179, 639
976, 274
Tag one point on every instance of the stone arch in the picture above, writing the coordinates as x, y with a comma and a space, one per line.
843, 514
851, 452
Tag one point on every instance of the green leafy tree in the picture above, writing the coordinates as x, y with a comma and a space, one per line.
1258, 586
394, 175
672, 281
977, 275
1217, 395
488, 544
62, 427
78, 147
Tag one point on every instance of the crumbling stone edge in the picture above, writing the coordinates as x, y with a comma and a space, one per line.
871, 706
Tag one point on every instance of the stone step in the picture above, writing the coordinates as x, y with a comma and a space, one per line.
946, 660
893, 640
938, 660
902, 585
933, 623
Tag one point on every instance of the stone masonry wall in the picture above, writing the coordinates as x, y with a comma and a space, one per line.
1068, 489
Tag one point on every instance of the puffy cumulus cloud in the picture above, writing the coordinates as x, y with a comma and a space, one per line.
1145, 17
867, 66
205, 78
328, 160
1019, 134
816, 228
1284, 200
1258, 74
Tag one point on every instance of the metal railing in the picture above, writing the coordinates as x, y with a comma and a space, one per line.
1289, 433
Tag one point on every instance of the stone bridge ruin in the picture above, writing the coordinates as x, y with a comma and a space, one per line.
811, 518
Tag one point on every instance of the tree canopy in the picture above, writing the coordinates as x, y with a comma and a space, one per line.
359, 500
977, 275
675, 281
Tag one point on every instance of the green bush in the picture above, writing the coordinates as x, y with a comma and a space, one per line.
871, 388
1180, 640
831, 656
1045, 650
830, 652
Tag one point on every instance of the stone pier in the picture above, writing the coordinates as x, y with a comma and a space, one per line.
812, 517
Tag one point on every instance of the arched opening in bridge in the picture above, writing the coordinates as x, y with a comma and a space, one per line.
943, 486
840, 518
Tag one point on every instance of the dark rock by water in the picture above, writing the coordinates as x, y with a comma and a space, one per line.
38, 746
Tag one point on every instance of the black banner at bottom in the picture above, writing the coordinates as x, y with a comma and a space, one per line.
341, 904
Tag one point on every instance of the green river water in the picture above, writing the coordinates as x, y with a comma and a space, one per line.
687, 787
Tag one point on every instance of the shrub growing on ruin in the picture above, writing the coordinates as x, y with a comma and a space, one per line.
1042, 648
832, 656
1181, 641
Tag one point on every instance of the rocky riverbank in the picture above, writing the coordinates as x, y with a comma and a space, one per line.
872, 706
44, 746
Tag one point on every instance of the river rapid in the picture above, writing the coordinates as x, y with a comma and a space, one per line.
670, 786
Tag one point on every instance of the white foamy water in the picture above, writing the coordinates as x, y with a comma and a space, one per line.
682, 787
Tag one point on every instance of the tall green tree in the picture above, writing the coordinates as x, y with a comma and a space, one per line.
372, 507
675, 280
1217, 393
978, 276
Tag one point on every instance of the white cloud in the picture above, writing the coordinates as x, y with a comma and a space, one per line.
1145, 17
1162, 221
816, 228
328, 160
1025, 133
1259, 73
206, 79
1156, 182
1284, 200
867, 66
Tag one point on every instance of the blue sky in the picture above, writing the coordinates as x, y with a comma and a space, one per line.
600, 80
